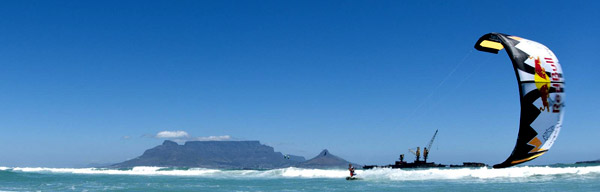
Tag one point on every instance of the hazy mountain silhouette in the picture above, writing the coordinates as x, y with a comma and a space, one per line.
212, 154
227, 155
326, 160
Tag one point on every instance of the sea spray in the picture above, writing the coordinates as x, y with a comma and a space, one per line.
525, 178
371, 174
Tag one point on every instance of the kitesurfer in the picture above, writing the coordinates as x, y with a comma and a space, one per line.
351, 169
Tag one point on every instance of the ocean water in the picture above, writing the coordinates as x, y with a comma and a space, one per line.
526, 178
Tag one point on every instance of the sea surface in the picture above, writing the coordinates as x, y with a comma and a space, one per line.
564, 177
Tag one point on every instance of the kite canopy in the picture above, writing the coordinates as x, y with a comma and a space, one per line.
541, 86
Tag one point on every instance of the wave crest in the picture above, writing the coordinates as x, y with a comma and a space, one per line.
291, 172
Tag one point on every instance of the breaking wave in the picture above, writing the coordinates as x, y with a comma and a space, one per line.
478, 173
291, 172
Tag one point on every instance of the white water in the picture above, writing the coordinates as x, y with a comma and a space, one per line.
373, 174
478, 173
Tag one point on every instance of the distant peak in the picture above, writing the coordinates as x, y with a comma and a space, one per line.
325, 152
169, 142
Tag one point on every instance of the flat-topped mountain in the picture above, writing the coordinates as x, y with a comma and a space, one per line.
212, 154
227, 155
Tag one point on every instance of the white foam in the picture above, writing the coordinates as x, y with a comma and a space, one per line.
134, 171
479, 173
373, 174
307, 173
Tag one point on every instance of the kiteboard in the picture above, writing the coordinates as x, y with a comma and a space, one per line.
352, 178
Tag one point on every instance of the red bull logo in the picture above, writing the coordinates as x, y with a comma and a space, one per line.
542, 82
544, 94
557, 86
539, 70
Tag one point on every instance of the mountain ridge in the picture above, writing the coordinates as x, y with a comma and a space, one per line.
227, 155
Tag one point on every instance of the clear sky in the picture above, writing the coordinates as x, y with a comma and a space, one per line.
96, 81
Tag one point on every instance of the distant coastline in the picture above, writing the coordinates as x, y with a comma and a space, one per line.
227, 155
588, 162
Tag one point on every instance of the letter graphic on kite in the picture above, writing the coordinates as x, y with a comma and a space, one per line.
541, 87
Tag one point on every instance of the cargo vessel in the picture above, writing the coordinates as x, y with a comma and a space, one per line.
418, 163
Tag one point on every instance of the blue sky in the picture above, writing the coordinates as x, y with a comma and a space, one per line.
94, 82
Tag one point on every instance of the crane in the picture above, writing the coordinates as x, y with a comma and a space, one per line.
426, 150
